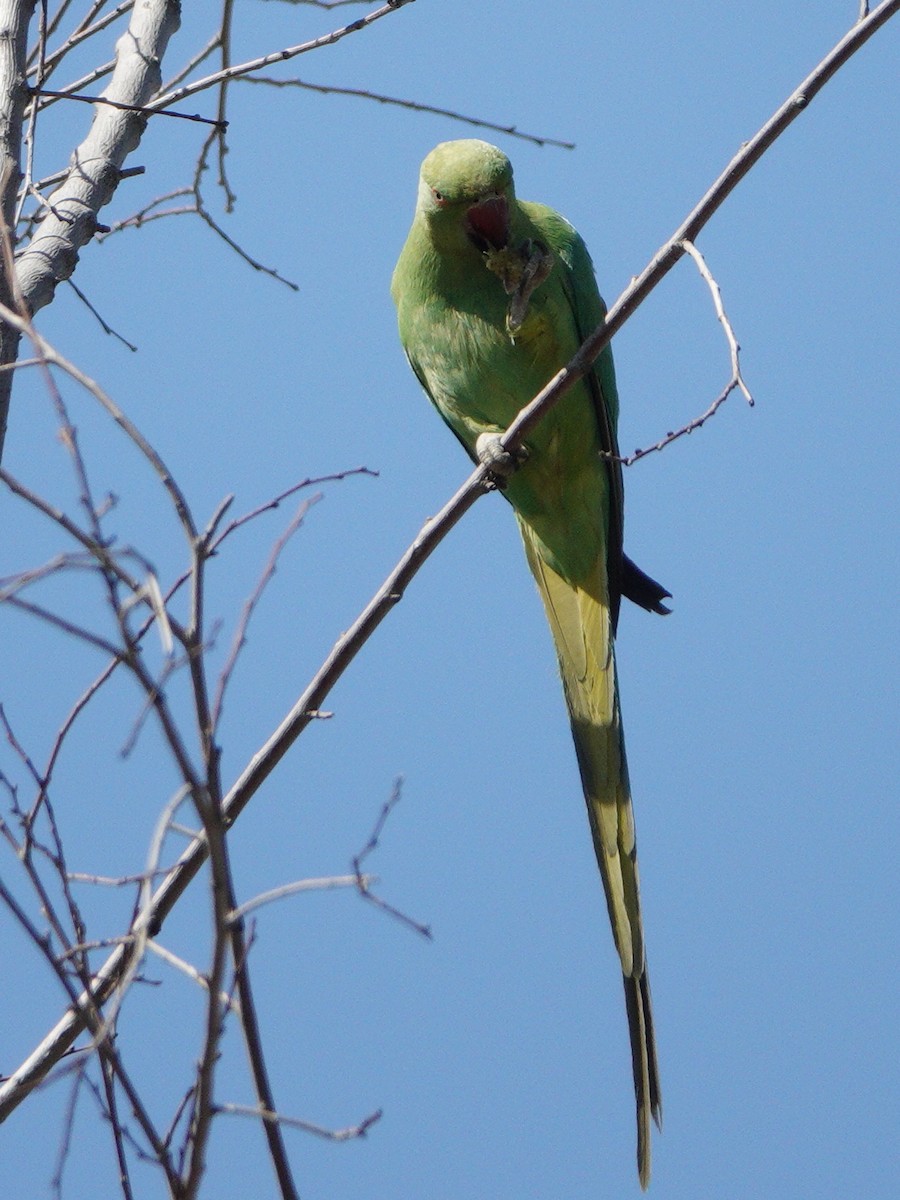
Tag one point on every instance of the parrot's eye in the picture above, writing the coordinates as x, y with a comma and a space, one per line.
438, 196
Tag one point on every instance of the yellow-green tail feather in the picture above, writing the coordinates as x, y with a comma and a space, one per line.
579, 617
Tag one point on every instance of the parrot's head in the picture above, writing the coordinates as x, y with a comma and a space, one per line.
465, 194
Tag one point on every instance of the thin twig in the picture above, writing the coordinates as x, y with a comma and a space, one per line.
87, 28
186, 968
274, 1118
221, 147
65, 625
277, 56
254, 1044
77, 85
240, 633
104, 325
214, 225
50, 356
276, 501
149, 110
115, 1124
362, 881
303, 885
736, 380
115, 881
414, 105
68, 1127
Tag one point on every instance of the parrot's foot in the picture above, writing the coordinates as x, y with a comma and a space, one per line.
537, 263
501, 463
521, 271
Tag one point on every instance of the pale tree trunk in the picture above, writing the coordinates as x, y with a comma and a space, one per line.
15, 17
70, 218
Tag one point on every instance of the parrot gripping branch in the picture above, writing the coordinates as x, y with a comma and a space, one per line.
121, 962
672, 250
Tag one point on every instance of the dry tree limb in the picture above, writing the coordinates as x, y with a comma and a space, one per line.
364, 882
191, 972
85, 29
331, 1135
672, 250
413, 105
240, 634
300, 886
142, 109
176, 95
736, 380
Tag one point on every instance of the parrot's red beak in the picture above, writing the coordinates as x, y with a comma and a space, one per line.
489, 223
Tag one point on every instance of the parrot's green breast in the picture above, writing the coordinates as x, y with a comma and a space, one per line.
479, 375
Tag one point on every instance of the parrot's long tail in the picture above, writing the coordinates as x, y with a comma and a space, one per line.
579, 619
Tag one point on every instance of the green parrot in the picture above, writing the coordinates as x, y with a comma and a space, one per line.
494, 295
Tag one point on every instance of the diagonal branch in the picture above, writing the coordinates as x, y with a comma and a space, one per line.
668, 254
414, 105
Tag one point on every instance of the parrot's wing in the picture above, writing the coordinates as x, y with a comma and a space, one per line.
420, 375
588, 310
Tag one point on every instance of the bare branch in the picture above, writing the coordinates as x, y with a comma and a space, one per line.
197, 208
221, 148
204, 214
278, 56
115, 881
254, 1045
332, 1135
414, 105
736, 380
51, 357
240, 633
115, 1124
276, 501
303, 885
107, 329
65, 625
78, 85
143, 109
672, 250
362, 881
86, 28
186, 968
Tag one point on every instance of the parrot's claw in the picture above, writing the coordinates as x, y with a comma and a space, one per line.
500, 462
537, 263
521, 271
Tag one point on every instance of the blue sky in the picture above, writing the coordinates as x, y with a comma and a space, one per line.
761, 717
